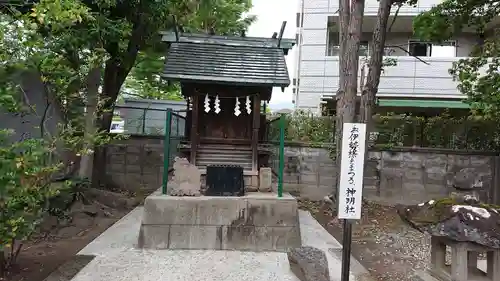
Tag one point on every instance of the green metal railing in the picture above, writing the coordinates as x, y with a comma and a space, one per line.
175, 125
275, 139
142, 121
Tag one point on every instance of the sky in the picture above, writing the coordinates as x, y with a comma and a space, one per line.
270, 14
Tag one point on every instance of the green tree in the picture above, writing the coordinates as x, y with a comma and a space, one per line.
220, 16
122, 29
478, 75
127, 27
41, 42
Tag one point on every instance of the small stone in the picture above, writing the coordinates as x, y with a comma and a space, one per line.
309, 264
186, 180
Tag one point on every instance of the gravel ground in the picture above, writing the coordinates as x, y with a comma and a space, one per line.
386, 246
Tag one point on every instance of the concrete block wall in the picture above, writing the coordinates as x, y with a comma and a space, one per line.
136, 163
400, 176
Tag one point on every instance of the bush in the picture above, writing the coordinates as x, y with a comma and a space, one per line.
397, 130
26, 171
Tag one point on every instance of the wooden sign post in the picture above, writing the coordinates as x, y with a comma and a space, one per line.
350, 195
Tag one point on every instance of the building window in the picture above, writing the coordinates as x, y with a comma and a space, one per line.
426, 49
363, 48
297, 20
333, 47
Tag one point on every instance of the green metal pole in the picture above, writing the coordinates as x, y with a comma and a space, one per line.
282, 156
144, 121
166, 151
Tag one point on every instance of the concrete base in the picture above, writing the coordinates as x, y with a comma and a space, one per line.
255, 222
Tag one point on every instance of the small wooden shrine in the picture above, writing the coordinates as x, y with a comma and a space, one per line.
225, 79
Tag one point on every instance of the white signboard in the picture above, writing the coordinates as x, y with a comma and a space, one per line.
351, 171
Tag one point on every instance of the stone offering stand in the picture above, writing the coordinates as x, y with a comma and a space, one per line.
185, 219
464, 261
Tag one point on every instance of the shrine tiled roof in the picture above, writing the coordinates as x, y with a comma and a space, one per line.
225, 60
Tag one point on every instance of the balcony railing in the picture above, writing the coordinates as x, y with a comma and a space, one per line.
410, 76
371, 6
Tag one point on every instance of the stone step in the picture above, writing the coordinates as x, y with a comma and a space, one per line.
225, 147
224, 158
204, 164
224, 150
203, 169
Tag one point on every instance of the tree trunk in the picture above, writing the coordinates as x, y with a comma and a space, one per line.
349, 34
3, 262
93, 83
375, 63
115, 74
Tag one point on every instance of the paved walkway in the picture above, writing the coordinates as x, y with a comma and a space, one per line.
118, 259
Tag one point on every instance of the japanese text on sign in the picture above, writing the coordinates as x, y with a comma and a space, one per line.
351, 171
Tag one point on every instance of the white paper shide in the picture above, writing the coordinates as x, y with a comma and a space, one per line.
351, 171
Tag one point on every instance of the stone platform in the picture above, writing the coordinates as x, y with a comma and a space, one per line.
255, 222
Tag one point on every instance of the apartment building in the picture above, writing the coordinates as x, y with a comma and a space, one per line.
422, 82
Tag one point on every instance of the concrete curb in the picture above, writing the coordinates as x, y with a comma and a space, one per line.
69, 269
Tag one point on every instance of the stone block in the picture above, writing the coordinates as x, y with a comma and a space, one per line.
260, 238
414, 157
241, 237
113, 168
436, 160
330, 181
204, 210
435, 178
265, 179
392, 172
309, 178
133, 168
137, 149
478, 161
458, 160
154, 236
390, 186
133, 159
195, 237
117, 158
413, 175
389, 155
309, 264
412, 165
414, 192
272, 211
251, 183
436, 189
286, 237
374, 155
390, 164
133, 179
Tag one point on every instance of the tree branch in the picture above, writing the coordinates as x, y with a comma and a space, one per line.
394, 18
406, 51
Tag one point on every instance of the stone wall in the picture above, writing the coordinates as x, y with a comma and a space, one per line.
398, 176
